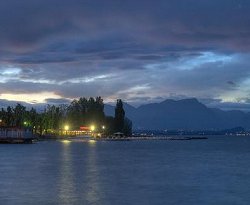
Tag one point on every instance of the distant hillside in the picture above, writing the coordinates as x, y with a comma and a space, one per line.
188, 114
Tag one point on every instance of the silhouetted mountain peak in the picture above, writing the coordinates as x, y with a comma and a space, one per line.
128, 106
193, 101
189, 114
190, 100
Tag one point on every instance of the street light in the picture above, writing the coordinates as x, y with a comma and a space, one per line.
92, 128
66, 127
103, 130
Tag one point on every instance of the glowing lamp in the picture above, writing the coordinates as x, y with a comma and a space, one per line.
66, 127
92, 128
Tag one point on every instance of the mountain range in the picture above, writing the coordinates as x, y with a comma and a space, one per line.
186, 114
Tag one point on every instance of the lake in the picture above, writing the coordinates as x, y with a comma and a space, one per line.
213, 171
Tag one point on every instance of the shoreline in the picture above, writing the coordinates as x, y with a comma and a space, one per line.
133, 138
152, 138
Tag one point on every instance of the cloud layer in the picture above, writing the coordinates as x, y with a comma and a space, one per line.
141, 51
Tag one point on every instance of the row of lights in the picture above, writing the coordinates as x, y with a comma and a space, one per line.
66, 127
92, 127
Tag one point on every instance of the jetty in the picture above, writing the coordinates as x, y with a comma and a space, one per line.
141, 138
13, 135
168, 138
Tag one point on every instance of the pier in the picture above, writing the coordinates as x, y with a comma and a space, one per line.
15, 135
137, 138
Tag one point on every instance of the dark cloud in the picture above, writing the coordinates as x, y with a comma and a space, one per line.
231, 83
141, 50
57, 101
41, 59
29, 22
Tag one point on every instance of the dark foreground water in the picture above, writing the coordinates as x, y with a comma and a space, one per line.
214, 171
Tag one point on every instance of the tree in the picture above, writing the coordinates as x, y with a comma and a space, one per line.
74, 114
19, 114
109, 125
127, 127
81, 112
8, 117
85, 112
119, 116
32, 118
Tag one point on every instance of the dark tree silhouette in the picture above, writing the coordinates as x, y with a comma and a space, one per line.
119, 116
127, 127
109, 124
81, 112
85, 112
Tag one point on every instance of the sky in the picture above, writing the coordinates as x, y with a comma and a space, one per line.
52, 51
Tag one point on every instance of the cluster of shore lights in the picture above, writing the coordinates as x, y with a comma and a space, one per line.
92, 127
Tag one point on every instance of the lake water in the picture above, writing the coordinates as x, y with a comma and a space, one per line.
205, 172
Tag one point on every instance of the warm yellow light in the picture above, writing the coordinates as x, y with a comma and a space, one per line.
92, 128
103, 127
92, 141
66, 141
66, 127
30, 97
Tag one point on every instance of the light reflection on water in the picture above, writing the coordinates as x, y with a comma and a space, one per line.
213, 171
93, 193
87, 182
66, 184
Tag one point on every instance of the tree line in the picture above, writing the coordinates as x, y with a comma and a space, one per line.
80, 112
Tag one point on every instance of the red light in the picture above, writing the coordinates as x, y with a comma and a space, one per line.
85, 128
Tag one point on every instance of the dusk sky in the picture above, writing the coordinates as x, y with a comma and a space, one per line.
141, 51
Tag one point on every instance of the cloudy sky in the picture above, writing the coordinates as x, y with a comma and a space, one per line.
138, 50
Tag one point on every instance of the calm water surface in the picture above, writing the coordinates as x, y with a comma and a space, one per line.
214, 171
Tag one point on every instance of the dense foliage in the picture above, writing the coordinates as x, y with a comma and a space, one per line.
121, 123
80, 112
